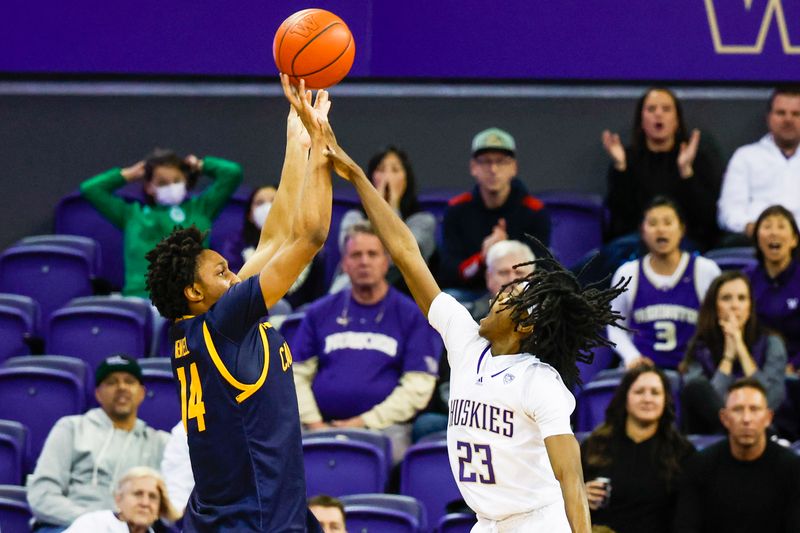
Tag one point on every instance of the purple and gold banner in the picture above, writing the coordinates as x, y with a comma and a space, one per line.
696, 41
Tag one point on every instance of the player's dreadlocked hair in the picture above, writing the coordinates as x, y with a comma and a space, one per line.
568, 320
173, 264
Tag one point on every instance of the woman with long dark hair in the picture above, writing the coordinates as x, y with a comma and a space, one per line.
729, 344
662, 159
633, 459
391, 173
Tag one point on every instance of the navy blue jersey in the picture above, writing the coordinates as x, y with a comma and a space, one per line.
239, 407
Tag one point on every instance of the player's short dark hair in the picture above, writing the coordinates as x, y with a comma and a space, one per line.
746, 383
323, 500
173, 267
567, 320
784, 90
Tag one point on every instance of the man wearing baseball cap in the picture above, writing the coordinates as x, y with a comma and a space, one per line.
85, 455
498, 208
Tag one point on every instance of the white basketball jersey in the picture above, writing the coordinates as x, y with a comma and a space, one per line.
501, 410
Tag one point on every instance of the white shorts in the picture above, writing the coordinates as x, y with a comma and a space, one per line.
548, 519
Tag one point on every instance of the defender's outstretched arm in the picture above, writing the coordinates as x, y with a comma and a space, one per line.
394, 234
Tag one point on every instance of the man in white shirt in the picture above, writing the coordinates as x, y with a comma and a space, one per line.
766, 172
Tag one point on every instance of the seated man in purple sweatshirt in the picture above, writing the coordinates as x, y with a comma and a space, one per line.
365, 356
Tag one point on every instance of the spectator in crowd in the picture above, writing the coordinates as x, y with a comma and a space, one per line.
365, 357
639, 449
85, 455
729, 344
176, 467
746, 482
663, 159
764, 173
664, 294
500, 260
776, 279
238, 248
329, 512
141, 498
167, 180
498, 208
391, 172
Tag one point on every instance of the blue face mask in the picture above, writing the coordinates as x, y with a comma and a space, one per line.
173, 194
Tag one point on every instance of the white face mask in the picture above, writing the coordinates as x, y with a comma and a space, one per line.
172, 194
260, 214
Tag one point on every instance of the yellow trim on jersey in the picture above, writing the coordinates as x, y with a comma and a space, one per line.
247, 390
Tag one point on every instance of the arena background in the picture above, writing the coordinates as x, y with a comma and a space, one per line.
87, 85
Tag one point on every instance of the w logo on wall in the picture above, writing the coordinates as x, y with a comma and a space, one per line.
742, 26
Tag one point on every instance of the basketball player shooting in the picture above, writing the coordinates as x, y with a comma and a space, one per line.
238, 402
511, 448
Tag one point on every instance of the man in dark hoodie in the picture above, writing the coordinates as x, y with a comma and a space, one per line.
498, 208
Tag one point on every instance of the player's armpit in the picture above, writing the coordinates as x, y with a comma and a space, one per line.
282, 270
565, 458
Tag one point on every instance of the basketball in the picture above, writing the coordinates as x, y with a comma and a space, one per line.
315, 45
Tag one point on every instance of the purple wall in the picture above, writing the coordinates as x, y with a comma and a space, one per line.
471, 39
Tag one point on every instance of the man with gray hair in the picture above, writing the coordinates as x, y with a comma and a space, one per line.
365, 357
501, 259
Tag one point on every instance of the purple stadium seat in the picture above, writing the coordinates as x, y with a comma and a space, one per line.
50, 274
369, 436
229, 221
366, 512
92, 333
19, 324
38, 397
140, 306
78, 367
604, 358
338, 467
13, 452
738, 258
592, 402
14, 511
86, 245
456, 523
577, 221
162, 364
704, 441
368, 519
425, 474
161, 408
76, 216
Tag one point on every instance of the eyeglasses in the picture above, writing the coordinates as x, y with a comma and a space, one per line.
501, 161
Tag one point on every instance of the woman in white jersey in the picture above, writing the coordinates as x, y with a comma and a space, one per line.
512, 452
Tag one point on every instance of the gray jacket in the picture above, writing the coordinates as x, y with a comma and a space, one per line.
82, 459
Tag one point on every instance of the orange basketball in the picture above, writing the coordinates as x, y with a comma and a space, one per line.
315, 45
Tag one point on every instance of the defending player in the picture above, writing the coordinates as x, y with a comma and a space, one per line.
237, 393
509, 440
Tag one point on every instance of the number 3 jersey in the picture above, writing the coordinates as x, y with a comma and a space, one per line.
501, 409
239, 407
662, 310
